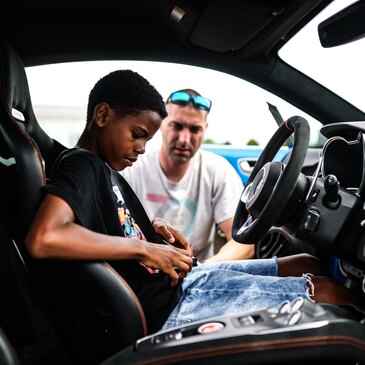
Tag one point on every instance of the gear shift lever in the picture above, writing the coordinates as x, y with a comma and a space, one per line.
331, 187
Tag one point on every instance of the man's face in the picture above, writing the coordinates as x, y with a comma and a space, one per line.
183, 131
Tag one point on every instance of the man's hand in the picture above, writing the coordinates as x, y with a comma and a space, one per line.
172, 235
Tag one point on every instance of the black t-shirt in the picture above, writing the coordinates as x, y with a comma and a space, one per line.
84, 181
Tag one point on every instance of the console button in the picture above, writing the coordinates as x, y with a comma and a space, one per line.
311, 220
210, 327
247, 320
296, 304
293, 318
284, 307
156, 340
170, 336
173, 336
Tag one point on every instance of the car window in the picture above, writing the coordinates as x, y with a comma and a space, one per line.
340, 69
239, 114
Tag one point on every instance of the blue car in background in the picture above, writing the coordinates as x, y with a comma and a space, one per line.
243, 159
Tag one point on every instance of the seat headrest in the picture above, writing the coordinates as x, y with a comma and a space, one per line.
15, 84
27, 152
16, 99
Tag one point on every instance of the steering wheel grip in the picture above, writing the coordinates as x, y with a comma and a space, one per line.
247, 229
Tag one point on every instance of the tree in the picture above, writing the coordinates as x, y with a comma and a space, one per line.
209, 141
252, 142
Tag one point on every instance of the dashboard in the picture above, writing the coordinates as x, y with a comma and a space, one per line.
333, 219
343, 155
326, 217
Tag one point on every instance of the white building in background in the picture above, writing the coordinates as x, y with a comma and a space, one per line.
64, 123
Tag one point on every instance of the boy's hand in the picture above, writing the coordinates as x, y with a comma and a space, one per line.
172, 235
175, 262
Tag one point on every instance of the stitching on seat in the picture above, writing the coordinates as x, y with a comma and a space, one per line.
138, 304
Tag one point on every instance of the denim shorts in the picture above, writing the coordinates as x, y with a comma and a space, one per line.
216, 289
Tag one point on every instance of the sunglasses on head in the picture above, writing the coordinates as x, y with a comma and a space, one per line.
184, 98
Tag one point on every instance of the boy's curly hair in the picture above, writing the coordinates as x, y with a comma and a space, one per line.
127, 92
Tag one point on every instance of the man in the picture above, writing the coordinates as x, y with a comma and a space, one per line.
194, 190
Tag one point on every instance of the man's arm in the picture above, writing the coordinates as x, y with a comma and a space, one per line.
231, 250
54, 234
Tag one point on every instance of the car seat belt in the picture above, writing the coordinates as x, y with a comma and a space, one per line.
135, 206
137, 210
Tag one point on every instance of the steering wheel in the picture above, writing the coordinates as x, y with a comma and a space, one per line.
270, 184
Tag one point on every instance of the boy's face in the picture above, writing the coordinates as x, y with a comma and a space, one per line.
121, 139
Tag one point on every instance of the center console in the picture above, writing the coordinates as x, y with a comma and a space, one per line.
296, 332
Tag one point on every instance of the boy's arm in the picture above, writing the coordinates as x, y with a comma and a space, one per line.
54, 234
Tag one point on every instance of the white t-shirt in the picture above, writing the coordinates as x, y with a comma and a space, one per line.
208, 193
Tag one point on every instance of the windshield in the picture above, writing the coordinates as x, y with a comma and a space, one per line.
239, 116
340, 69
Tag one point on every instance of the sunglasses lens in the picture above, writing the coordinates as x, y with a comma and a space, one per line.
202, 103
180, 97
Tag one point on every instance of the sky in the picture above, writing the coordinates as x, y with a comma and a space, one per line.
239, 111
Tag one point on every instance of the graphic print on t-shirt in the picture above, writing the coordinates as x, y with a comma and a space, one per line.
129, 226
180, 211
